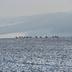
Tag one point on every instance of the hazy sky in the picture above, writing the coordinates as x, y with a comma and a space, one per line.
30, 7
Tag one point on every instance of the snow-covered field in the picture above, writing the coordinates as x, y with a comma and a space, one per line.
36, 55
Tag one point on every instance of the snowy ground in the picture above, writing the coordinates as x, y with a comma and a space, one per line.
36, 55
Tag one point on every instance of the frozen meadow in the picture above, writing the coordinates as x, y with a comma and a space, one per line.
36, 55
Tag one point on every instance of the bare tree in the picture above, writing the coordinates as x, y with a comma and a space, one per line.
46, 36
40, 36
36, 36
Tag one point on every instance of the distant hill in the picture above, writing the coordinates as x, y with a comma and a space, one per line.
54, 23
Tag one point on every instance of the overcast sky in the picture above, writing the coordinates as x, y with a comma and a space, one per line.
30, 7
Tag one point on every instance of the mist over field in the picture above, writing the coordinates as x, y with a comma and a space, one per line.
45, 24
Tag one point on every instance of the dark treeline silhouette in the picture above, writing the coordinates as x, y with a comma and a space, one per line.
21, 37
